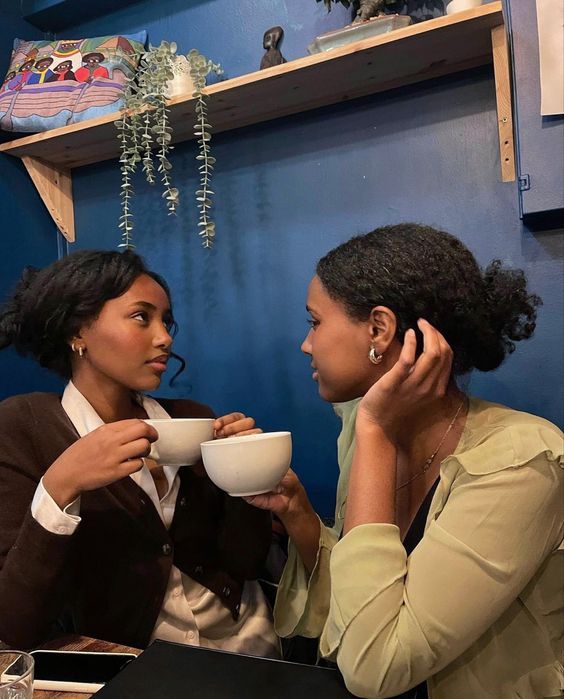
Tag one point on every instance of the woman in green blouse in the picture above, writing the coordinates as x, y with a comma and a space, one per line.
442, 575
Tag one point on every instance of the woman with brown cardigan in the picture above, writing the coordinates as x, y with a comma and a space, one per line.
96, 538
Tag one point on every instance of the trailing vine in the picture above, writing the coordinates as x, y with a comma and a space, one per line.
145, 135
200, 67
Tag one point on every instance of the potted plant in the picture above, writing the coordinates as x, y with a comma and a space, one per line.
418, 10
145, 134
365, 9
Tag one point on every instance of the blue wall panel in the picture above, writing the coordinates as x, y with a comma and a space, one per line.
288, 191
28, 234
228, 32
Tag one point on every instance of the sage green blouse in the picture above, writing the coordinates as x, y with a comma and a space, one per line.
478, 607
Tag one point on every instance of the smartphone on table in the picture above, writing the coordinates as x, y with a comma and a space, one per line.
75, 671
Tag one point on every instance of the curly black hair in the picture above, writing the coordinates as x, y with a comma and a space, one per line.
50, 305
420, 272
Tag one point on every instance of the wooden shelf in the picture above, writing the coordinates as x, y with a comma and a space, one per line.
419, 52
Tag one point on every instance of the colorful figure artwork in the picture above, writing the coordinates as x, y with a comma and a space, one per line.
92, 68
54, 83
41, 71
9, 76
62, 72
68, 51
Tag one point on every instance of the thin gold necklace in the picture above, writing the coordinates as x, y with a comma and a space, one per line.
429, 461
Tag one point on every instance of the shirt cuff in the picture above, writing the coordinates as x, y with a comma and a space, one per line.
49, 515
302, 601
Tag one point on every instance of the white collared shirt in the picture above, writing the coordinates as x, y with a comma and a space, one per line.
190, 613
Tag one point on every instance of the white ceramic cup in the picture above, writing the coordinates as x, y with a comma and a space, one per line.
250, 464
179, 440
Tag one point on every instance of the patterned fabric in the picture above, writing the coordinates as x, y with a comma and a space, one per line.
50, 84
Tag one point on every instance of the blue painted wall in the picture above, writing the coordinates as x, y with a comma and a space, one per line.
28, 235
288, 191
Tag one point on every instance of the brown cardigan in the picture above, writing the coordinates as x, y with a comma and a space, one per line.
108, 579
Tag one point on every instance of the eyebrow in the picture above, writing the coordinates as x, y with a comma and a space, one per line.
150, 306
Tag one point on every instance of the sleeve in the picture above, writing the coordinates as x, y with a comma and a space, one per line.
302, 601
34, 562
49, 515
394, 622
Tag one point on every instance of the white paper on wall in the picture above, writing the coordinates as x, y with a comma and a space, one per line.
550, 19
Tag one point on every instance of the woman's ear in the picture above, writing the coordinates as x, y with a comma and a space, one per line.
383, 326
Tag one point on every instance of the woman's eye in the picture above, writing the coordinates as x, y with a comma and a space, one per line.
141, 315
312, 322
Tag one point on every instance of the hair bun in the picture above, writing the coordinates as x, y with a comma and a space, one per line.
509, 312
11, 318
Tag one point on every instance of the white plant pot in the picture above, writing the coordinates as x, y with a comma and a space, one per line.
181, 83
460, 5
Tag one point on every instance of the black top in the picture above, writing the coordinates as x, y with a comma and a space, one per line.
417, 528
412, 538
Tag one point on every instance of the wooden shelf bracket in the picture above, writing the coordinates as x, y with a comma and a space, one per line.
54, 185
500, 52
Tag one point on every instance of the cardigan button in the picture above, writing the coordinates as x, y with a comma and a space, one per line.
166, 549
226, 591
182, 502
198, 570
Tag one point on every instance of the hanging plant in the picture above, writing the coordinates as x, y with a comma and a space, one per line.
145, 135
200, 68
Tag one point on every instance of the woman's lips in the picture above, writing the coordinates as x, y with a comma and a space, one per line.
158, 363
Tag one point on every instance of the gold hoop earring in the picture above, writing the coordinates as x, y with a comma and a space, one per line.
78, 349
374, 357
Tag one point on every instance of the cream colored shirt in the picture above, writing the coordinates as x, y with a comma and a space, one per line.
477, 609
190, 613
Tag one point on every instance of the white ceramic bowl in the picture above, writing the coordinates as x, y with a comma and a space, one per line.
250, 464
179, 440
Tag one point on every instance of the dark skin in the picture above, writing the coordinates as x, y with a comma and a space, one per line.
407, 404
124, 350
44, 64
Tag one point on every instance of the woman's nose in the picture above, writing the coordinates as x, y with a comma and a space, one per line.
162, 338
306, 344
